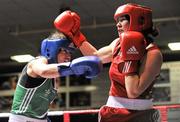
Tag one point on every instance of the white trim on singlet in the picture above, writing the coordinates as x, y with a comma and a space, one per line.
133, 104
20, 118
26, 100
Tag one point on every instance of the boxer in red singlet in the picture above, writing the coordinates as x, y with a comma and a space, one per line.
135, 62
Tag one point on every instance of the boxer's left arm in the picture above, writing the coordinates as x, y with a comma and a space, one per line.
138, 77
149, 70
132, 50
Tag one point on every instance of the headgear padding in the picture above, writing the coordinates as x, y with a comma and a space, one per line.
140, 16
51, 47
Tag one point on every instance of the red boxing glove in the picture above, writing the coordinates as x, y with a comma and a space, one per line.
133, 45
69, 23
128, 67
133, 48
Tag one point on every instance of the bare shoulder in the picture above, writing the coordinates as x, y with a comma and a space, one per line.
37, 60
113, 43
35, 64
154, 60
155, 54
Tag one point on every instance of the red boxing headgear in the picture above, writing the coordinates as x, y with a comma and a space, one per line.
140, 16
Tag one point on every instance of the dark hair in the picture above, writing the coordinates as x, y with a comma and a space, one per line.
127, 17
150, 34
57, 35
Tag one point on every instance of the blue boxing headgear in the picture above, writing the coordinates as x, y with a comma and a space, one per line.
50, 48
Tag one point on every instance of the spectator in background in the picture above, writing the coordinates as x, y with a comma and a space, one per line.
6, 101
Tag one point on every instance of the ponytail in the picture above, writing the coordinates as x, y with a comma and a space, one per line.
154, 32
150, 33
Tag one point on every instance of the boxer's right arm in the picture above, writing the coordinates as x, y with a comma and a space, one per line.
39, 67
69, 23
104, 53
90, 66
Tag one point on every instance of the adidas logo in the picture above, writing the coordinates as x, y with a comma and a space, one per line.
132, 50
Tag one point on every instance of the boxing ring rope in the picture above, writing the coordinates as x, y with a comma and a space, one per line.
67, 114
164, 111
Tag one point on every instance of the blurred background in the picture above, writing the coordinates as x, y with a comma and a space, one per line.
24, 24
